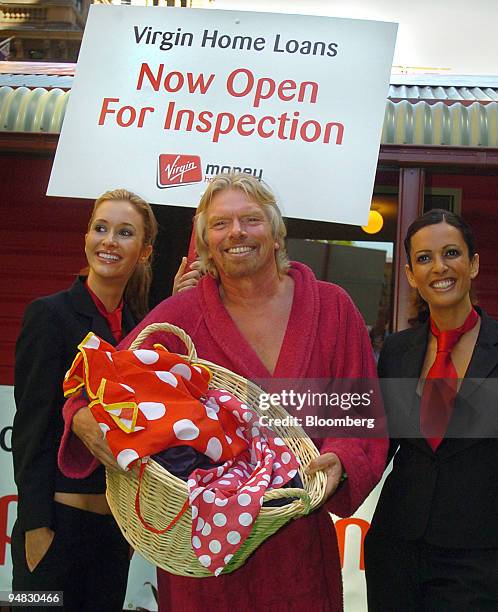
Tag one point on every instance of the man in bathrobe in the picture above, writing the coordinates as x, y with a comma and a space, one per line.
263, 317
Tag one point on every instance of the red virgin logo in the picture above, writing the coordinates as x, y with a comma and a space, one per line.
174, 170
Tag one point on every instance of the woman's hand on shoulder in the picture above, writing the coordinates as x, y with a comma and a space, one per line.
36, 544
88, 431
187, 280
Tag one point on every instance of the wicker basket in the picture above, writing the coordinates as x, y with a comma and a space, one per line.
162, 495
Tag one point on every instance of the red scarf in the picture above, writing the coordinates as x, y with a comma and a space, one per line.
114, 319
440, 387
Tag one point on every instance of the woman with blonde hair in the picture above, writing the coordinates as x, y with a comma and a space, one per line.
65, 538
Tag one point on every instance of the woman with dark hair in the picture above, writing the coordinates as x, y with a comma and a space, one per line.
433, 543
65, 538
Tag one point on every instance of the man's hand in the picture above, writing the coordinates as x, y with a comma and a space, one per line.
36, 544
89, 432
186, 280
332, 466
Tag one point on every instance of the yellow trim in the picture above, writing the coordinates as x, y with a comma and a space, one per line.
201, 365
118, 406
81, 348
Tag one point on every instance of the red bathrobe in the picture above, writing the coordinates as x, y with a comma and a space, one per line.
298, 568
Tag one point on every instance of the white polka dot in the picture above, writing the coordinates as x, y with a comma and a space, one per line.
244, 499
245, 519
214, 449
277, 480
109, 355
211, 402
126, 423
146, 357
191, 482
182, 369
238, 431
197, 369
219, 519
152, 410
277, 465
233, 537
196, 543
208, 477
205, 560
227, 559
200, 524
127, 387
194, 495
166, 377
229, 439
255, 432
224, 482
215, 546
206, 530
92, 343
208, 496
211, 414
220, 470
115, 411
238, 472
218, 571
104, 428
278, 441
286, 457
266, 477
195, 512
244, 406
185, 430
262, 483
228, 476
225, 398
247, 416
254, 489
292, 473
220, 502
126, 456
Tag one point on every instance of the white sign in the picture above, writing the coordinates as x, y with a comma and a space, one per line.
164, 99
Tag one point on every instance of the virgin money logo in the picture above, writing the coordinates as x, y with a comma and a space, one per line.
174, 170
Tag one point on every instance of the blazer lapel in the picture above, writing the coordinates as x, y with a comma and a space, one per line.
83, 305
475, 414
484, 359
411, 366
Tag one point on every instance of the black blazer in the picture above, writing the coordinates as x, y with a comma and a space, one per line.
52, 328
450, 497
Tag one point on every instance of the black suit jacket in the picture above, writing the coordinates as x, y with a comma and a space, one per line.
450, 497
53, 326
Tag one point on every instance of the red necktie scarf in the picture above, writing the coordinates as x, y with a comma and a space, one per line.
441, 384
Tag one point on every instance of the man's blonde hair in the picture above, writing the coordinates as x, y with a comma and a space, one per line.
257, 192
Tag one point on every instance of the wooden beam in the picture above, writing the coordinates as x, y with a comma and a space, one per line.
423, 156
410, 206
34, 143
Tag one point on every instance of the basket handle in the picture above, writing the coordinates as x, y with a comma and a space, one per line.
283, 493
169, 328
139, 513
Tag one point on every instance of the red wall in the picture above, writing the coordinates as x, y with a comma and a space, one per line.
480, 210
41, 244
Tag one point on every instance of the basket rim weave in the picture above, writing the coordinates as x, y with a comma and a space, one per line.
163, 494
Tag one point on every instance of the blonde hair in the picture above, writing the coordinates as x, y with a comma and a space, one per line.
257, 192
136, 292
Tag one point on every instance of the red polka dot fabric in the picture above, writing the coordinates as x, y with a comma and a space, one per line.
146, 401
226, 500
